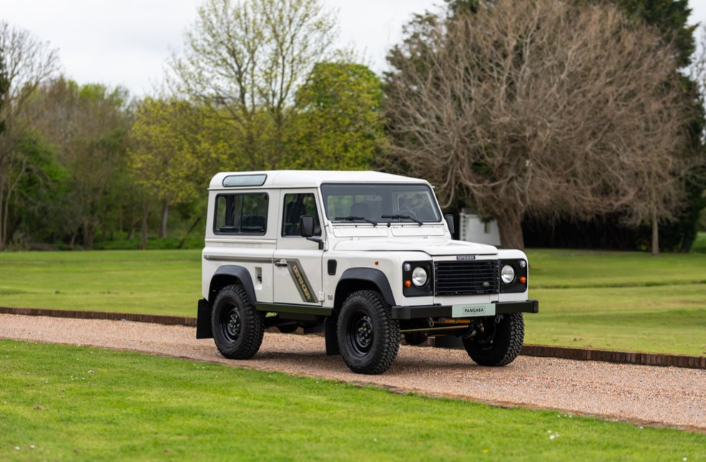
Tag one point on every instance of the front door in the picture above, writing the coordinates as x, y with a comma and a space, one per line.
298, 261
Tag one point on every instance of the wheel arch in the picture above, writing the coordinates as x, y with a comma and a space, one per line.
231, 274
355, 279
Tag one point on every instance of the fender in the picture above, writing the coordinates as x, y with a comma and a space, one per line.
372, 275
227, 272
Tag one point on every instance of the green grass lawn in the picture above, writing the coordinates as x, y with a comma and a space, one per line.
164, 282
664, 319
80, 403
626, 301
560, 269
607, 300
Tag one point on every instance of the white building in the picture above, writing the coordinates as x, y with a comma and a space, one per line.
472, 229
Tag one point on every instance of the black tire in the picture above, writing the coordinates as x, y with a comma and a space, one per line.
499, 346
415, 338
238, 328
288, 328
368, 337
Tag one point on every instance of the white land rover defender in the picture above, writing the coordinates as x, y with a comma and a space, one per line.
366, 255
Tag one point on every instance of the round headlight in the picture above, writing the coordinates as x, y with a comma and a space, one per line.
507, 274
419, 276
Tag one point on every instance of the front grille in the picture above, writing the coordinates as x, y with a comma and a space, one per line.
466, 277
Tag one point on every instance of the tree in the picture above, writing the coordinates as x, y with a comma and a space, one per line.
4, 87
177, 148
539, 108
27, 63
338, 122
88, 127
671, 19
244, 60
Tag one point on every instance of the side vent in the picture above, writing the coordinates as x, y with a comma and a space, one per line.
332, 264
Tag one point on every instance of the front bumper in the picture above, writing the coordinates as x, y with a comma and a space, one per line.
444, 311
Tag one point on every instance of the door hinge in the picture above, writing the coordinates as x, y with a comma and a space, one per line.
321, 296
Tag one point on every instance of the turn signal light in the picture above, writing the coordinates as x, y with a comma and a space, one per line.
408, 284
523, 280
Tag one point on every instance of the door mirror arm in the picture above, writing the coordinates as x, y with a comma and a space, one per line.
318, 240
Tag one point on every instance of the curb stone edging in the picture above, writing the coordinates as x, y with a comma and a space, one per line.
546, 351
624, 357
148, 318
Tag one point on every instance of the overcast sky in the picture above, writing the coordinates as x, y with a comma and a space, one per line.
126, 42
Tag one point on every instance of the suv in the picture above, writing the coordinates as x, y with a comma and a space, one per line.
366, 255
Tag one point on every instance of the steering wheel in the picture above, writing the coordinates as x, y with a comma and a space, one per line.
409, 213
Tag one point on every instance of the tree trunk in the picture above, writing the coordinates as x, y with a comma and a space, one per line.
6, 199
89, 236
5, 219
165, 214
510, 227
85, 233
73, 239
143, 231
120, 225
183, 239
655, 233
2, 206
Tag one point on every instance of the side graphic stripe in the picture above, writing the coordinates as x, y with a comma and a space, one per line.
238, 259
300, 281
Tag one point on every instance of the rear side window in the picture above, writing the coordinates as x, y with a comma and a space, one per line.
241, 214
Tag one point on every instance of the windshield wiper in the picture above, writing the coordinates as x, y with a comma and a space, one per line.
352, 218
407, 217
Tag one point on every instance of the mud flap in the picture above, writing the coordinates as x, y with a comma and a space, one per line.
331, 337
203, 320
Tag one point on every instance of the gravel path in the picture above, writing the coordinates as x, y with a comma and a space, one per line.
668, 396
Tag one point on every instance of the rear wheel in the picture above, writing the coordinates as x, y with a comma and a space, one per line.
368, 337
238, 328
498, 342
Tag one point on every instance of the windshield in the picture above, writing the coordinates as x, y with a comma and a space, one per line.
380, 203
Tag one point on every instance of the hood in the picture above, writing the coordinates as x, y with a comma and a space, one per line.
433, 248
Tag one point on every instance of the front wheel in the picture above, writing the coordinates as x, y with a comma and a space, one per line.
368, 337
500, 341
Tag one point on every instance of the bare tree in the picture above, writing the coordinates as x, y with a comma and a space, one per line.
539, 108
245, 58
28, 62
698, 75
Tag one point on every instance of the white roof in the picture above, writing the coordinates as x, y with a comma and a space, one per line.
314, 178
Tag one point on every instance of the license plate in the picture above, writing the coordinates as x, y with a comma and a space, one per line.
467, 311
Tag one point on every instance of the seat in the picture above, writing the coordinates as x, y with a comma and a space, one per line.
293, 212
360, 209
252, 224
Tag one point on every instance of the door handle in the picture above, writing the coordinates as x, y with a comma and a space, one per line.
281, 262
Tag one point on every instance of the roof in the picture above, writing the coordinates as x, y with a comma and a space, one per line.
314, 178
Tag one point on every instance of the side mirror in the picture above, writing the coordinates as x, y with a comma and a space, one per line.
450, 222
306, 226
